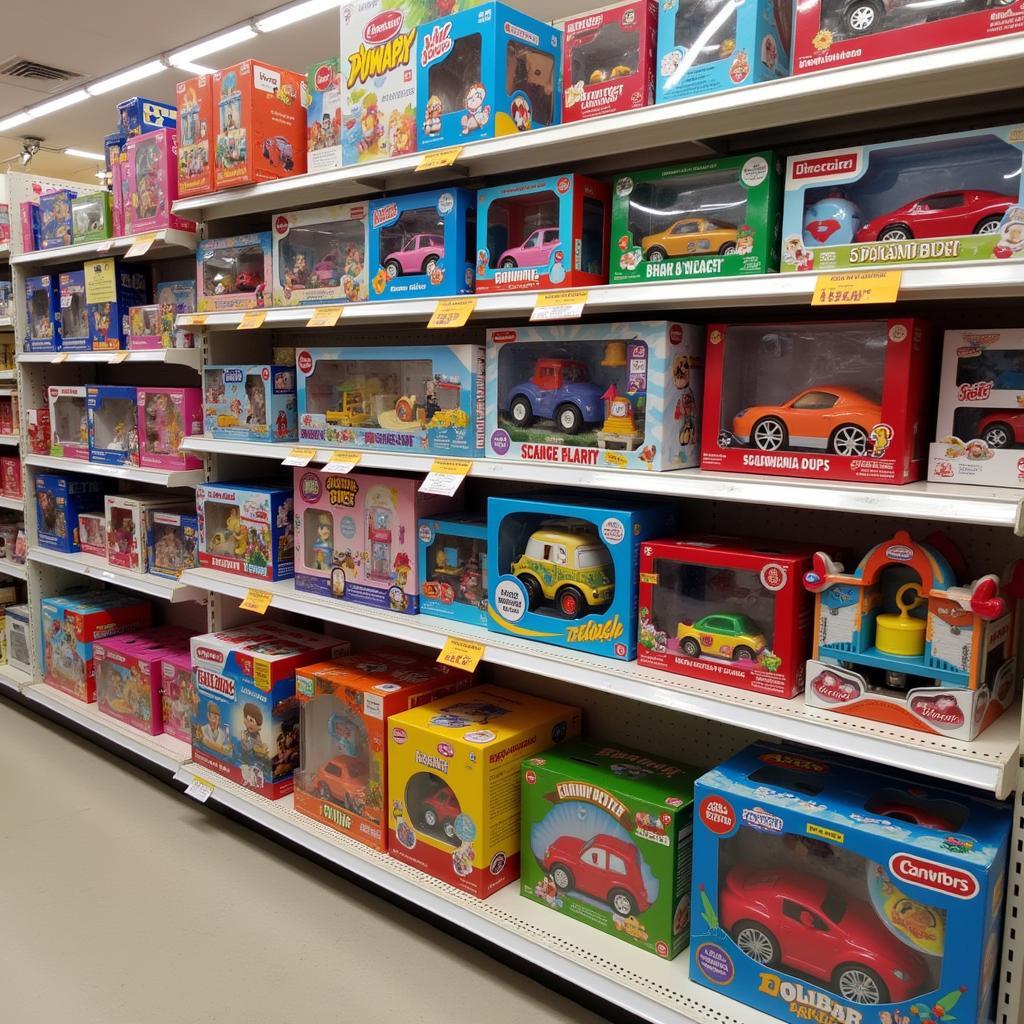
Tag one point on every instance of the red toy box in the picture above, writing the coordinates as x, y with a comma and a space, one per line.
195, 136
829, 401
39, 430
10, 477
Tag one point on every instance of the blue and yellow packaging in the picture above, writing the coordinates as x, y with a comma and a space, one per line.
453, 567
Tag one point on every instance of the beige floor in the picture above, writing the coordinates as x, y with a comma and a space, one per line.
123, 903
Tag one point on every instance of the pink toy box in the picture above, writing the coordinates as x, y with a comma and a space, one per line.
166, 417
10, 477
153, 182
126, 524
92, 533
69, 431
177, 694
355, 536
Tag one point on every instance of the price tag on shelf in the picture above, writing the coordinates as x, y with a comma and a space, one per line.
446, 476
60, 357
452, 312
464, 654
564, 305
141, 245
342, 462
325, 316
439, 158
856, 288
120, 357
251, 319
192, 320
105, 246
257, 601
198, 788
300, 457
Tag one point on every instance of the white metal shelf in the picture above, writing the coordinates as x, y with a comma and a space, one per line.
10, 439
167, 243
16, 570
157, 477
7, 376
988, 763
14, 679
177, 356
6, 323
16, 504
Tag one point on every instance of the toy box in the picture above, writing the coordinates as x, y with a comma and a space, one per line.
6, 299
944, 198
547, 233
145, 327
113, 425
608, 60
261, 124
344, 706
166, 417
9, 417
453, 782
319, 256
92, 533
127, 519
563, 571
153, 183
55, 223
59, 499
29, 216
91, 217
980, 426
621, 396
171, 542
174, 298
728, 610
195, 136
110, 291
246, 721
70, 627
420, 244
42, 314
322, 100
707, 47
69, 435
486, 72
825, 890
38, 421
137, 116
178, 702
355, 536
233, 272
426, 398
20, 640
112, 146
10, 476
835, 401
606, 839
74, 313
118, 189
250, 403
902, 640
453, 567
246, 529
708, 218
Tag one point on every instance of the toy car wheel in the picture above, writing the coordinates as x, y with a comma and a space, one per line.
757, 942
569, 418
571, 602
449, 828
508, 263
655, 255
622, 903
770, 434
742, 653
393, 268
690, 647
533, 591
860, 984
428, 264
987, 226
862, 16
430, 817
895, 233
726, 248
521, 412
998, 435
562, 877
849, 439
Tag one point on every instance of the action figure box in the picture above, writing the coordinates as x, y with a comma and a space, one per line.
829, 890
10, 476
171, 543
152, 165
453, 567
112, 413
60, 497
178, 702
74, 312
607, 834
250, 403
56, 228
166, 417
233, 272
69, 424
195, 136
92, 533
136, 116
92, 217
127, 517
453, 782
322, 99
42, 314
38, 421
110, 291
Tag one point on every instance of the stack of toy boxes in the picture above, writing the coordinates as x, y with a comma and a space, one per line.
42, 314
74, 312
71, 625
323, 115
171, 542
195, 136
250, 403
166, 417
110, 290
453, 567
828, 890
113, 424
453, 782
59, 499
152, 166
345, 705
127, 516
55, 225
69, 425
91, 217
19, 637
233, 273
246, 727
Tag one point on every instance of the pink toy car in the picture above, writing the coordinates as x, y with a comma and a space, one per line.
534, 252
417, 256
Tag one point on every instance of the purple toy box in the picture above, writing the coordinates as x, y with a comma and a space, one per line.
166, 417
152, 169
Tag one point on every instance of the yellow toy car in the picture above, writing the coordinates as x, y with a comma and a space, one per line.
725, 635
690, 236
227, 420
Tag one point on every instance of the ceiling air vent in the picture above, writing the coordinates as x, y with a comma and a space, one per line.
31, 70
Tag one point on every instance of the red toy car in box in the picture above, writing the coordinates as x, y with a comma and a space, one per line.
940, 215
440, 810
604, 867
343, 780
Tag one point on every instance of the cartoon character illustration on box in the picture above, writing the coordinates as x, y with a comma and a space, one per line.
212, 734
323, 546
251, 747
477, 113
833, 219
62, 658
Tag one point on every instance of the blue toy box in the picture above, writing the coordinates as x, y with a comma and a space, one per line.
709, 46
421, 399
55, 222
420, 245
137, 116
171, 539
113, 424
825, 890
74, 313
564, 571
108, 316
485, 72
113, 145
453, 567
59, 500
42, 314
323, 115
250, 403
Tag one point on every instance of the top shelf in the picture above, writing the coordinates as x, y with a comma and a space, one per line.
814, 102
166, 244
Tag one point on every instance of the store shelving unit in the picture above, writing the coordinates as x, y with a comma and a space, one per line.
164, 245
169, 356
156, 477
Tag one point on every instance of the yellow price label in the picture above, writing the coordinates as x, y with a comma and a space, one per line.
452, 312
856, 288
325, 316
300, 457
649, 577
563, 305
439, 158
120, 357
452, 467
192, 320
60, 357
252, 319
257, 601
464, 654
141, 245
342, 462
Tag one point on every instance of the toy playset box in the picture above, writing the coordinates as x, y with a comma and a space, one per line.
173, 298
610, 396
152, 162
250, 403
486, 72
136, 116
29, 226
939, 199
110, 291
564, 571
71, 626
92, 533
453, 567
20, 637
320, 256
728, 610
233, 272
38, 421
717, 44
322, 99
246, 529
709, 218
835, 401
56, 227
69, 425
113, 424
10, 475
92, 217
261, 124
247, 719
355, 536
178, 702
166, 417
74, 312
127, 518
909, 640
824, 890
152, 327
421, 245
980, 428
195, 136
608, 60
453, 782
59, 499
344, 706
606, 839
546, 233
171, 542
42, 314
422, 399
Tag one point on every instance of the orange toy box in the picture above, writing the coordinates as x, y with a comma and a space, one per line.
344, 706
453, 782
260, 124
195, 136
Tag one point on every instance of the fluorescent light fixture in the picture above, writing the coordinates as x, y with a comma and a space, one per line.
14, 120
84, 154
212, 45
295, 12
123, 78
194, 69
59, 103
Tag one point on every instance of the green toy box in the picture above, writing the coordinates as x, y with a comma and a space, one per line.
607, 835
91, 217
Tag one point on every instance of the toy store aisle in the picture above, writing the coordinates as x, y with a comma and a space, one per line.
241, 930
